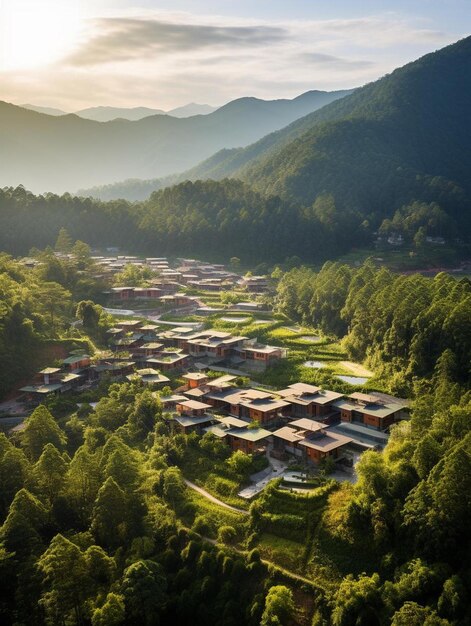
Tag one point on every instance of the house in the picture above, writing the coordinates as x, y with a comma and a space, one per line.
249, 404
309, 440
75, 363
238, 435
310, 401
169, 402
255, 284
214, 344
50, 381
147, 293
130, 341
149, 349
148, 376
198, 393
377, 411
259, 356
169, 360
177, 300
192, 407
195, 379
192, 416
128, 325
149, 331
114, 368
121, 293
221, 383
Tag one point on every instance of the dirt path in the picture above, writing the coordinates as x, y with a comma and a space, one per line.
357, 369
208, 496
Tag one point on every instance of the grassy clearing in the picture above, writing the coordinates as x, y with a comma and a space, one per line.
214, 515
282, 551
213, 475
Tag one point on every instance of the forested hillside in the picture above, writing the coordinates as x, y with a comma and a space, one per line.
402, 139
406, 327
64, 153
211, 219
36, 307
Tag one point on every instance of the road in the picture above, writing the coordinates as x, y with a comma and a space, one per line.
208, 496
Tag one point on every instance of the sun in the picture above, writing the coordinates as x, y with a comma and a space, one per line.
35, 33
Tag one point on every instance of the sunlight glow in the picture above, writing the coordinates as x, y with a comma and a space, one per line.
35, 33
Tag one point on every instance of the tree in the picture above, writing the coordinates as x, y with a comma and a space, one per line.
66, 580
40, 429
14, 471
173, 485
110, 515
240, 463
356, 600
279, 606
24, 525
112, 613
412, 614
50, 471
63, 242
53, 299
143, 416
144, 589
82, 483
122, 467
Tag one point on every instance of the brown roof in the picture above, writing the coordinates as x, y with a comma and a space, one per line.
194, 404
306, 424
289, 434
194, 376
365, 397
329, 441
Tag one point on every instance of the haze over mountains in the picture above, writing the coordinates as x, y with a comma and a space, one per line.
47, 153
404, 137
107, 113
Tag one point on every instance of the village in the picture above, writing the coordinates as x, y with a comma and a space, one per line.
206, 379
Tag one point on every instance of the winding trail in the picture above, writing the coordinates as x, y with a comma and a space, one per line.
208, 496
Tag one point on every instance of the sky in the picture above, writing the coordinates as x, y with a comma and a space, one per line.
73, 54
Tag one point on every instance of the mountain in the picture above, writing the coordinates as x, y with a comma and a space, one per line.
192, 109
45, 110
47, 153
237, 123
107, 114
404, 137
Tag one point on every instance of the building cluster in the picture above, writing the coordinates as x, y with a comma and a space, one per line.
189, 273
140, 350
178, 348
301, 421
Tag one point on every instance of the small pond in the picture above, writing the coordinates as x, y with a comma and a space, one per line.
235, 320
311, 338
353, 380
314, 364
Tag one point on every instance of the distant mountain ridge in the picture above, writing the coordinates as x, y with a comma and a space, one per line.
63, 153
108, 113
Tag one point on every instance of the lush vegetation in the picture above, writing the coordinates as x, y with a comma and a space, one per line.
96, 526
406, 327
93, 515
37, 307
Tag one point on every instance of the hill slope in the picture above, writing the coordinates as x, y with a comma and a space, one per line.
47, 153
404, 137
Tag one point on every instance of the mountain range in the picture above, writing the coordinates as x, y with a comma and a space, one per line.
63, 153
107, 113
404, 137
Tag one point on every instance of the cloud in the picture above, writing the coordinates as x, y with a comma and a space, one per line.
329, 60
122, 39
163, 59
